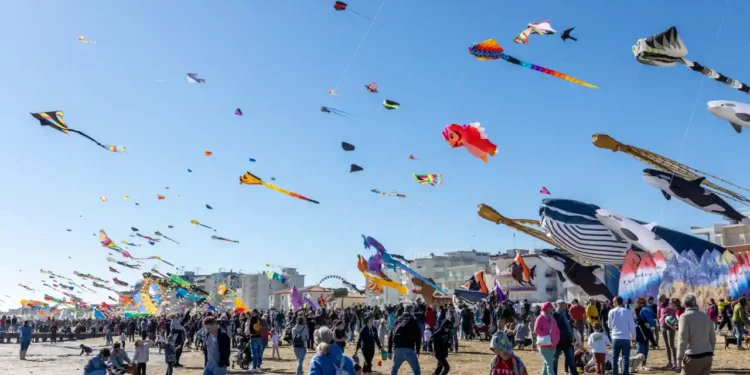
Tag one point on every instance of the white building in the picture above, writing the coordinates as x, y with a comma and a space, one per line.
733, 236
547, 286
448, 270
257, 288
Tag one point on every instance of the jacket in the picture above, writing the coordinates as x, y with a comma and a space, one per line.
368, 338
441, 339
405, 334
119, 358
665, 312
518, 367
544, 326
739, 315
253, 328
141, 352
96, 363
566, 332
327, 364
643, 333
170, 356
225, 346
592, 314
695, 336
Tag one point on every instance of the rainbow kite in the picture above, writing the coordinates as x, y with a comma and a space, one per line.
251, 179
432, 178
491, 50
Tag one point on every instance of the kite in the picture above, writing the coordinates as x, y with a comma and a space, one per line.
372, 87
432, 178
112, 299
83, 39
119, 282
412, 157
107, 242
544, 190
332, 92
55, 120
209, 207
392, 262
472, 137
251, 179
491, 50
393, 193
103, 198
53, 299
520, 272
26, 287
336, 112
160, 197
161, 235
347, 146
101, 286
738, 114
193, 78
190, 170
170, 226
65, 286
148, 238
196, 222
273, 275
425, 290
134, 229
355, 168
129, 243
126, 197
251, 160
575, 273
131, 266
238, 112
223, 239
667, 49
159, 258
390, 104
340, 5
566, 35
69, 230
207, 153
540, 28
114, 270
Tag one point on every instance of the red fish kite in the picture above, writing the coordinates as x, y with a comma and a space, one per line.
472, 137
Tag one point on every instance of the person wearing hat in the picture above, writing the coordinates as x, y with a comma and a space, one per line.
547, 337
505, 362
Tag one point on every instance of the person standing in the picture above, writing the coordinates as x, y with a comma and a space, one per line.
368, 338
622, 328
655, 312
739, 317
696, 339
404, 342
547, 337
598, 342
578, 317
566, 341
217, 348
24, 336
300, 335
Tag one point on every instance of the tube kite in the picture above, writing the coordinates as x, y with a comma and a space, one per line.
131, 266
431, 178
667, 49
114, 270
336, 112
472, 137
224, 239
251, 179
491, 50
196, 222
107, 242
540, 28
54, 119
129, 243
119, 282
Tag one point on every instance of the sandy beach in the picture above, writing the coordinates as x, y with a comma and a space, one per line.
474, 359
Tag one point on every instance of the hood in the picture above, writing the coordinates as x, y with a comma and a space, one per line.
329, 360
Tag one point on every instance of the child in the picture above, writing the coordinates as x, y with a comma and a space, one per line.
522, 334
426, 337
169, 354
505, 362
598, 342
382, 330
85, 349
161, 340
141, 355
438, 344
275, 338
123, 337
108, 337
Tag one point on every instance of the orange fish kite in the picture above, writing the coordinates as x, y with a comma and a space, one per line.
160, 197
208, 153
472, 137
520, 272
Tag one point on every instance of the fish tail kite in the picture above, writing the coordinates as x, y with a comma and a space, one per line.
251, 179
491, 50
196, 222
54, 119
667, 49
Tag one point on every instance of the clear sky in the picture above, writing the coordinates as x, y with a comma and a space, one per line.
275, 60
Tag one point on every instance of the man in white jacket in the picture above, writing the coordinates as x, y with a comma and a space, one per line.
622, 331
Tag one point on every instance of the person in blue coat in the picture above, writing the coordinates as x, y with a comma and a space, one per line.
24, 335
98, 364
330, 358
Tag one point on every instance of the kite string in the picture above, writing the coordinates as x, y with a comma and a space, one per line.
361, 42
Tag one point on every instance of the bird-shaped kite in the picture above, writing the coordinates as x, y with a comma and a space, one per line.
491, 50
667, 49
566, 35
355, 168
223, 239
336, 112
196, 222
193, 78
54, 119
472, 137
540, 28
251, 179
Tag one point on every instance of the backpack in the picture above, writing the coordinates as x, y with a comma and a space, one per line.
340, 368
297, 341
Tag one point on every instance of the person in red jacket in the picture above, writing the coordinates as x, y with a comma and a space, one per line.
430, 316
578, 315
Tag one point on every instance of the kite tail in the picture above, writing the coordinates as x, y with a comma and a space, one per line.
340, 112
544, 70
710, 73
109, 148
167, 262
206, 226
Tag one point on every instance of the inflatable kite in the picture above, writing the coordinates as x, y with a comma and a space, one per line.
390, 104
429, 179
392, 262
539, 28
223, 239
520, 272
667, 49
491, 50
272, 275
251, 179
336, 112
737, 114
472, 137
193, 78
474, 290
382, 282
372, 87
55, 121
424, 289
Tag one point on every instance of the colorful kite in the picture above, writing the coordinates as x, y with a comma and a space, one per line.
196, 222
336, 112
83, 39
544, 190
566, 35
347, 146
131, 266
152, 239
251, 179
193, 78
390, 104
412, 157
238, 112
129, 243
667, 49
332, 92
355, 168
160, 197
491, 50
540, 28
119, 282
107, 242
161, 235
472, 137
207, 153
372, 87
431, 179
273, 275
54, 120
392, 262
340, 5
223, 239
393, 193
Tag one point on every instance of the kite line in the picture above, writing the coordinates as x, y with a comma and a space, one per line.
361, 42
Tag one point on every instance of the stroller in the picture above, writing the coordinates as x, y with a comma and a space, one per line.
244, 356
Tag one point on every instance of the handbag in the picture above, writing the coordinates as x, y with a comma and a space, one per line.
546, 339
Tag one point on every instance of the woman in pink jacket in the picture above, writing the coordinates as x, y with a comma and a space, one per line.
547, 335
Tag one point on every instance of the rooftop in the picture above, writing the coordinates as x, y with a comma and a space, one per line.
307, 289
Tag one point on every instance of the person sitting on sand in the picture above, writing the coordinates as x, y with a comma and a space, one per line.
98, 364
119, 358
87, 350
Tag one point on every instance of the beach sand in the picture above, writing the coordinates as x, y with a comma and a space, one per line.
473, 359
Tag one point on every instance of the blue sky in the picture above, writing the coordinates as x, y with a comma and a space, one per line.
275, 60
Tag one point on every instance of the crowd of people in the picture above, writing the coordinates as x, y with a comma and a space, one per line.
595, 338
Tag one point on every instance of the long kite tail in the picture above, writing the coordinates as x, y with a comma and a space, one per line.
205, 226
340, 112
287, 192
544, 70
710, 73
109, 148
171, 240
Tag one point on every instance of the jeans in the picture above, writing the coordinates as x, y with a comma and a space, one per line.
255, 348
405, 354
454, 339
669, 343
570, 362
548, 360
642, 348
170, 368
214, 370
263, 346
351, 333
300, 354
621, 347
739, 327
97, 372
